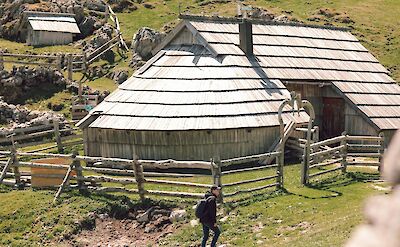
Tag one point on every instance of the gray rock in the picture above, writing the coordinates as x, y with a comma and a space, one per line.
119, 76
145, 40
178, 215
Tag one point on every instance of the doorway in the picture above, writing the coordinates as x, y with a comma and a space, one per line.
333, 118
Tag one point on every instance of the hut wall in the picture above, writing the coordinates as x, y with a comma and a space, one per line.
355, 124
179, 145
39, 38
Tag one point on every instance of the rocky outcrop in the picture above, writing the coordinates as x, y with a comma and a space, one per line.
20, 82
119, 76
100, 37
16, 116
382, 213
144, 41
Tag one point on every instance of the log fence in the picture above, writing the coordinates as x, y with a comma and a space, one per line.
139, 173
338, 153
57, 133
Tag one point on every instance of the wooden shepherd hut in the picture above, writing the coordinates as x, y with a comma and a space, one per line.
214, 87
43, 28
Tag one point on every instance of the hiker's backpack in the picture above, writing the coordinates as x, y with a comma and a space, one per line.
201, 208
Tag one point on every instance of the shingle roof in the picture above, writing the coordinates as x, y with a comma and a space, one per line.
54, 24
215, 85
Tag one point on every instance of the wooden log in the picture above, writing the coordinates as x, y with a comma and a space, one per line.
28, 63
328, 142
327, 163
29, 129
343, 153
40, 165
112, 190
250, 190
364, 163
175, 194
5, 169
59, 62
185, 184
140, 180
109, 171
168, 164
105, 179
29, 56
325, 171
17, 174
70, 66
361, 147
328, 152
57, 135
248, 159
364, 138
250, 181
250, 169
48, 155
28, 136
370, 155
1, 60
64, 182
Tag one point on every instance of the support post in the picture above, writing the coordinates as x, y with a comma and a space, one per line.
279, 172
218, 177
139, 176
59, 62
343, 162
15, 162
70, 66
78, 168
1, 60
57, 135
381, 150
84, 62
65, 181
107, 14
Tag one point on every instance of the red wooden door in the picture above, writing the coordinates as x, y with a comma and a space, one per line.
333, 122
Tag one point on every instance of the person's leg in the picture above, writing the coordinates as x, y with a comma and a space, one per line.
206, 233
217, 232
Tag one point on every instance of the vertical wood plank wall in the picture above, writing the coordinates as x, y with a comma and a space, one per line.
179, 145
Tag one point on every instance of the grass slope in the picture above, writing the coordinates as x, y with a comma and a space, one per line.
323, 215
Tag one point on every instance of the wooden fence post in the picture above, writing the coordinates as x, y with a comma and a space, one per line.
218, 176
139, 176
65, 180
279, 172
70, 66
78, 168
59, 62
17, 174
1, 60
381, 150
84, 62
343, 162
57, 135
107, 14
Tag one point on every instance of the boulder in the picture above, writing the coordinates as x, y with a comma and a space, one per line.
145, 40
177, 215
119, 76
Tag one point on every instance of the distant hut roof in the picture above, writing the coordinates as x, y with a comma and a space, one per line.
52, 22
215, 85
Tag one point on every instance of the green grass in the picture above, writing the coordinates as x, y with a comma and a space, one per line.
321, 215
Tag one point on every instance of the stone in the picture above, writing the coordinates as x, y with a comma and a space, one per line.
178, 215
145, 40
194, 223
119, 76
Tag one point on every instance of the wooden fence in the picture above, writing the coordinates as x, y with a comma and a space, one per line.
339, 152
135, 173
55, 133
55, 61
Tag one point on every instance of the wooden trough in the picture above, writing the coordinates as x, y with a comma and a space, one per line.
49, 177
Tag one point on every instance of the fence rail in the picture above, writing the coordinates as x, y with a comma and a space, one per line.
343, 151
135, 170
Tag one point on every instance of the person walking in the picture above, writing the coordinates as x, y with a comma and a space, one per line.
208, 218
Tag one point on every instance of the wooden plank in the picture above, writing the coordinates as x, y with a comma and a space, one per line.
112, 190
327, 163
106, 179
187, 184
324, 172
250, 190
250, 169
327, 152
363, 163
364, 138
363, 147
64, 183
249, 181
175, 194
5, 169
327, 142
371, 155
248, 159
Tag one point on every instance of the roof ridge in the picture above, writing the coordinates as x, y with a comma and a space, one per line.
219, 19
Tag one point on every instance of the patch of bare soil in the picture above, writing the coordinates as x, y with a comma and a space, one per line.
139, 228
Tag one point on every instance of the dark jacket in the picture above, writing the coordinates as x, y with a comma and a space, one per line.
210, 217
